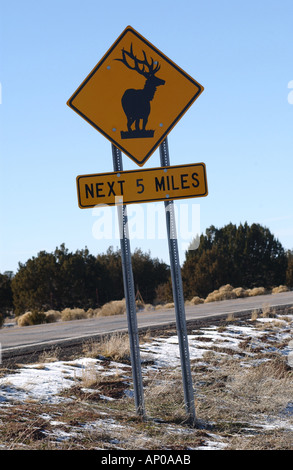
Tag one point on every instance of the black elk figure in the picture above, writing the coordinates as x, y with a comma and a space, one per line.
136, 103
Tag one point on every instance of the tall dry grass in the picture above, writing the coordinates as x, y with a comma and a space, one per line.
118, 307
223, 293
31, 318
115, 347
194, 301
234, 393
69, 314
164, 396
280, 289
229, 292
257, 291
164, 306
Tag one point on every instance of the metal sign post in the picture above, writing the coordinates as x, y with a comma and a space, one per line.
178, 296
129, 292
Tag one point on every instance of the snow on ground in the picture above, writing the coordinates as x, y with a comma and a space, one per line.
43, 382
165, 351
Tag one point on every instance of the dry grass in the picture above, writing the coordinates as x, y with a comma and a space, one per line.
52, 316
164, 396
230, 317
256, 291
264, 389
114, 347
69, 314
241, 400
50, 356
31, 318
163, 306
24, 319
194, 301
229, 292
116, 307
273, 439
224, 293
254, 315
278, 290
268, 312
240, 292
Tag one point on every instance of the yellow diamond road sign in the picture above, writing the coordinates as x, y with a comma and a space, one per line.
136, 186
135, 95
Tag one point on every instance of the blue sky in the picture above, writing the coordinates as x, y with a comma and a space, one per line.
241, 126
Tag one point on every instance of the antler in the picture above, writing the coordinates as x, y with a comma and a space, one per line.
151, 70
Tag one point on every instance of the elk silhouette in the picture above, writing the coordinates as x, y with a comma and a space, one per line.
136, 103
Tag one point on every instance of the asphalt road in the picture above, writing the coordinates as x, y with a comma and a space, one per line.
15, 338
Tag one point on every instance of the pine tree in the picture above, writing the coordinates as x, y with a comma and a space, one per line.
289, 272
6, 301
244, 256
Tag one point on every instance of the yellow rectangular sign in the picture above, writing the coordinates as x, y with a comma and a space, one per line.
148, 185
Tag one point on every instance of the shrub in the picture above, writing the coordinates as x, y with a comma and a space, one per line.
115, 347
256, 291
167, 305
31, 318
194, 301
1, 320
224, 293
197, 300
92, 312
278, 290
115, 307
240, 292
73, 314
52, 316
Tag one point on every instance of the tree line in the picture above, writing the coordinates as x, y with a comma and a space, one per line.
54, 281
244, 256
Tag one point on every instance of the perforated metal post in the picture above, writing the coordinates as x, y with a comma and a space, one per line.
178, 296
129, 293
